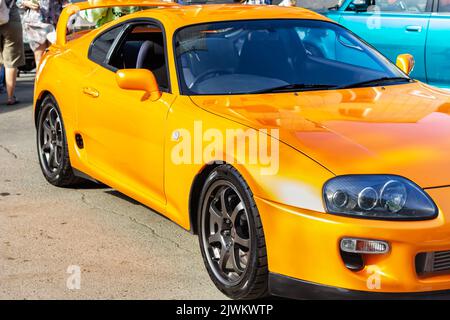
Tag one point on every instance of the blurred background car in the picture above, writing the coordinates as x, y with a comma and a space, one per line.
418, 27
320, 5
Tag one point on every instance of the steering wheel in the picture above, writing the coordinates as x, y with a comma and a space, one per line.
207, 73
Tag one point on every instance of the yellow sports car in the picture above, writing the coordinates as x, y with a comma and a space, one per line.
308, 164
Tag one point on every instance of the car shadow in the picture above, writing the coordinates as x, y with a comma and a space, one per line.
89, 185
122, 196
126, 198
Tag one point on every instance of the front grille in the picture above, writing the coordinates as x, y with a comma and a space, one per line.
433, 262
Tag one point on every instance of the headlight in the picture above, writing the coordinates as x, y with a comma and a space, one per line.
378, 197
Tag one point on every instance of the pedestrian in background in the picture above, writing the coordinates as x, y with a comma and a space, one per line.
444, 6
257, 2
2, 79
11, 47
39, 20
288, 3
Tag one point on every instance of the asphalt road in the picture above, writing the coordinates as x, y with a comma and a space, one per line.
123, 249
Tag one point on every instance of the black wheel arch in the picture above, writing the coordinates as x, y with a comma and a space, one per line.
196, 189
195, 192
38, 105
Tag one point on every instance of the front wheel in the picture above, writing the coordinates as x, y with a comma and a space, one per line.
52, 145
231, 236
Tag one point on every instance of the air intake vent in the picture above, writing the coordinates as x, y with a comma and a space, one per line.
433, 262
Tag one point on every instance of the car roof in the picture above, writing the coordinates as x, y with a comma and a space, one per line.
180, 16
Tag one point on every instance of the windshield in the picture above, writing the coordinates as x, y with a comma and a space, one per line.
244, 57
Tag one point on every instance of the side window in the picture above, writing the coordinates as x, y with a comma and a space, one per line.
143, 48
398, 6
444, 6
319, 5
99, 49
361, 5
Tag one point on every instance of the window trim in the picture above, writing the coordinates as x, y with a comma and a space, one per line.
91, 45
126, 26
97, 37
435, 6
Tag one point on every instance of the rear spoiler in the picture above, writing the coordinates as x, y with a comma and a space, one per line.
61, 28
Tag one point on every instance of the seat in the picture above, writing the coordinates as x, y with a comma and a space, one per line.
265, 56
219, 54
214, 53
130, 52
151, 56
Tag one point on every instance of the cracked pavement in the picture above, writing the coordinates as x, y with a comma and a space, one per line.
124, 249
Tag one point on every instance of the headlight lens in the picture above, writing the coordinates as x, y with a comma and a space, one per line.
378, 197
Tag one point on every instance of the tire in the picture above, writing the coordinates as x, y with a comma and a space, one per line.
52, 145
232, 240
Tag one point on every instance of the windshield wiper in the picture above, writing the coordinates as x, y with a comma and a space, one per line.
375, 82
297, 87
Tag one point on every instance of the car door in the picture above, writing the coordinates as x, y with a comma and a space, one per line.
392, 26
123, 135
438, 45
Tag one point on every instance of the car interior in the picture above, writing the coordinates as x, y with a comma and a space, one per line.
143, 48
247, 58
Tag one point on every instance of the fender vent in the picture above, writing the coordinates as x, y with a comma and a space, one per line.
79, 141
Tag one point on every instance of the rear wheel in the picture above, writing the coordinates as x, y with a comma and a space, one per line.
52, 145
231, 236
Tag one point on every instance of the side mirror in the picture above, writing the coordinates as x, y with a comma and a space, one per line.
140, 80
405, 62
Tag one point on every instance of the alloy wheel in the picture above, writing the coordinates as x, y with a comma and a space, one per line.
51, 141
226, 232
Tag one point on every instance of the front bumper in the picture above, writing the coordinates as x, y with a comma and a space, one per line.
304, 245
287, 287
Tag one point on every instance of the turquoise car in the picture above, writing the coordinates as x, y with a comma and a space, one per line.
418, 27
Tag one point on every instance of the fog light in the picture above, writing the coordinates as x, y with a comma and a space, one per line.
364, 246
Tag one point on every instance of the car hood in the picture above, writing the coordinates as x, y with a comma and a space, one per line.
400, 129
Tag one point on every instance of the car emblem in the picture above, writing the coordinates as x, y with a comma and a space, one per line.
175, 135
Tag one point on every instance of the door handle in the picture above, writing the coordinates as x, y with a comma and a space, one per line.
414, 28
91, 92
